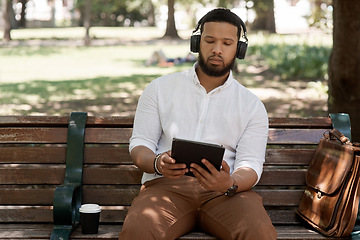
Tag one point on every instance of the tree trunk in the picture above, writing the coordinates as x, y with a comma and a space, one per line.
6, 4
22, 22
265, 17
53, 12
151, 14
87, 24
344, 64
171, 31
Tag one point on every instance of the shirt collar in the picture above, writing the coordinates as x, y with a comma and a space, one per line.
197, 82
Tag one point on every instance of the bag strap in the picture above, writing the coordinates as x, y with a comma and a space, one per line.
341, 122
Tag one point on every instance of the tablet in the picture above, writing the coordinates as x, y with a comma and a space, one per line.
187, 151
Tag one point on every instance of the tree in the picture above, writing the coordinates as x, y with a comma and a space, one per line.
87, 23
344, 64
151, 14
22, 21
171, 31
265, 19
7, 8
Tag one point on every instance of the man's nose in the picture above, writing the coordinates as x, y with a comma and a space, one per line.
217, 48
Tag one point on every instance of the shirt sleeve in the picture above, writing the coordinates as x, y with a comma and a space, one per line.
147, 128
251, 148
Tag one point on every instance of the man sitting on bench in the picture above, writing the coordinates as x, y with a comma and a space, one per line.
204, 104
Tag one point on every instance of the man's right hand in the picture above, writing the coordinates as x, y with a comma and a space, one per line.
168, 167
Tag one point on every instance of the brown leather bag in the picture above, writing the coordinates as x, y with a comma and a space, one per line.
331, 199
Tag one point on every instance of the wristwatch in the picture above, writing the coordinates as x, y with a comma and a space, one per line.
232, 190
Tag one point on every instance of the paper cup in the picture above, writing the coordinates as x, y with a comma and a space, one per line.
89, 218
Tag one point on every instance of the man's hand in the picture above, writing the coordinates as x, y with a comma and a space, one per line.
169, 168
215, 180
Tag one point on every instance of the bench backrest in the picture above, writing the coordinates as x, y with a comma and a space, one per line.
33, 155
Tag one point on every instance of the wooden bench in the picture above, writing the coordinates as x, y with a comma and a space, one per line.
33, 160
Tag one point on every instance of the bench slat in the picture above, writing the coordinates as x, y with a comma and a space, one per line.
54, 155
27, 195
125, 174
122, 135
109, 214
295, 136
111, 232
116, 195
39, 174
19, 154
33, 135
318, 122
45, 121
311, 122
59, 135
276, 177
289, 157
120, 155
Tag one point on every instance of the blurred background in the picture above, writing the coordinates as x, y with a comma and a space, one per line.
59, 56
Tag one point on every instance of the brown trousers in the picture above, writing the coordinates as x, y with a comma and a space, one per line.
167, 209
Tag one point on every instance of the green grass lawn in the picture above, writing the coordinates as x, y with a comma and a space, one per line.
108, 79
31, 63
55, 80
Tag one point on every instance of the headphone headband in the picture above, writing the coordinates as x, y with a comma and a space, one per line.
242, 24
241, 46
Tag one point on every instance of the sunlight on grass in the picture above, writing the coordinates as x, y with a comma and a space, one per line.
123, 33
108, 79
61, 63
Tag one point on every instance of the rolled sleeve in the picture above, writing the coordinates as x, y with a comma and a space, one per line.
147, 127
250, 151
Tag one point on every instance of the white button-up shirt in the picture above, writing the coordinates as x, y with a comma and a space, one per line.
177, 105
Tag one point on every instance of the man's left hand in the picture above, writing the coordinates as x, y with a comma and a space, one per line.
219, 181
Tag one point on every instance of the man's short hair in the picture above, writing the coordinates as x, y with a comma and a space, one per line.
221, 15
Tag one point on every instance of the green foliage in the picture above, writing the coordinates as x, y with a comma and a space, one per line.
114, 13
295, 60
321, 14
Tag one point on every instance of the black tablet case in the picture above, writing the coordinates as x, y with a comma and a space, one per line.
186, 151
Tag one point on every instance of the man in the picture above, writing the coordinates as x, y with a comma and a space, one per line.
204, 104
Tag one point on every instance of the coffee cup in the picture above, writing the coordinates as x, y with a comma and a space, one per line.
89, 218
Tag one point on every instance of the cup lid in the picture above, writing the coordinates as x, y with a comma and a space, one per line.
90, 208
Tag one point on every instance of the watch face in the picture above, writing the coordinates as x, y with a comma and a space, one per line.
231, 191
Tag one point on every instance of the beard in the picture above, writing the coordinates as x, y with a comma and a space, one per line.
213, 71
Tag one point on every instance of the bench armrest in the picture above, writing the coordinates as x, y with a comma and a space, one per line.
68, 196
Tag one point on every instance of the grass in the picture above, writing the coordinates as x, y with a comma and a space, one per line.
77, 33
55, 80
31, 63
38, 78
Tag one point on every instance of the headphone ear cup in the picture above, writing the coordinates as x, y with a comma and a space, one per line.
195, 43
241, 50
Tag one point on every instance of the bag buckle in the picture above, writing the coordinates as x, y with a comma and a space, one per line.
319, 195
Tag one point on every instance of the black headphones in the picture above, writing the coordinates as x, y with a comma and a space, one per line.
195, 41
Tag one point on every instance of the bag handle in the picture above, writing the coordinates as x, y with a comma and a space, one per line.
336, 134
341, 121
